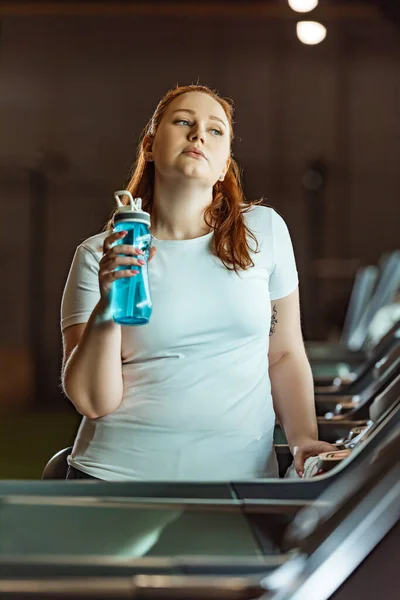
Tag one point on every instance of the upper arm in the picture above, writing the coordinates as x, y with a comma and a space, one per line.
81, 291
71, 337
80, 296
285, 334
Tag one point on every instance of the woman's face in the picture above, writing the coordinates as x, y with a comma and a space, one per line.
193, 121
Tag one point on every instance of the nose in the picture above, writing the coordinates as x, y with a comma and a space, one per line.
197, 133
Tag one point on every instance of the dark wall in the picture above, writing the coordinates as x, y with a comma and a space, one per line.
75, 93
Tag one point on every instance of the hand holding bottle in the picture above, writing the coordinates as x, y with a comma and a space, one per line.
116, 256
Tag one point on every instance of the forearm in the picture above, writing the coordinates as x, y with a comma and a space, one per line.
293, 397
92, 375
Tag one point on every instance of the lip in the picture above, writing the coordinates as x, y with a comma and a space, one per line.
193, 150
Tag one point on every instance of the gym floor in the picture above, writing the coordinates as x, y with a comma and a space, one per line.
28, 440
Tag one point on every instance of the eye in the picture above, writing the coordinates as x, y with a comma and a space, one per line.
217, 131
185, 121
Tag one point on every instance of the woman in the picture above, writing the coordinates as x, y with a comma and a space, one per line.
188, 396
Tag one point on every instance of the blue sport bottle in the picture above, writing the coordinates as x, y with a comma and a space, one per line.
130, 296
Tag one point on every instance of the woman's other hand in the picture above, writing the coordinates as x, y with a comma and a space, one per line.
307, 447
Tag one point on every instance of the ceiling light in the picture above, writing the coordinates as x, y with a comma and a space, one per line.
303, 6
310, 32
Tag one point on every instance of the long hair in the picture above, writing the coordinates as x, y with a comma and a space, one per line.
226, 210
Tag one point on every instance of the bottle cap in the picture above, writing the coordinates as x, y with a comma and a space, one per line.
132, 211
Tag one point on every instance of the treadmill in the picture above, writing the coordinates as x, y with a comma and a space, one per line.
322, 548
346, 368
366, 299
355, 404
358, 371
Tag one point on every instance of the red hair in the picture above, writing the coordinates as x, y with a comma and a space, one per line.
230, 242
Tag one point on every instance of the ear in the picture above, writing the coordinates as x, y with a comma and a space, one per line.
227, 165
147, 145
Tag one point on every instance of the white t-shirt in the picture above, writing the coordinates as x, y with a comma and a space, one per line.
197, 399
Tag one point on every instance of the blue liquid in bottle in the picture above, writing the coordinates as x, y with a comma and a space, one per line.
130, 296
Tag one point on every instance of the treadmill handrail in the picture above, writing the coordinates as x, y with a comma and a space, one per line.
311, 488
374, 366
343, 550
340, 499
358, 402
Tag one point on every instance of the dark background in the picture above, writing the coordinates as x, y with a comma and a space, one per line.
78, 82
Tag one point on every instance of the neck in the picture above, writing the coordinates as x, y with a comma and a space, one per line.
178, 210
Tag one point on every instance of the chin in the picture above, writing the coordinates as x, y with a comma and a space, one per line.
195, 175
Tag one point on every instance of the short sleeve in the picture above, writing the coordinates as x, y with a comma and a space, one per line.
81, 292
284, 278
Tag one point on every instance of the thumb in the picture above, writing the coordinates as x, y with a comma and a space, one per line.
298, 459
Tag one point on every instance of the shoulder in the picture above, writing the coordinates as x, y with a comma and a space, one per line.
261, 219
93, 245
88, 254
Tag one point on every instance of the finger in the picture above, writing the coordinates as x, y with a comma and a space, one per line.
109, 277
299, 463
111, 239
125, 249
109, 262
298, 460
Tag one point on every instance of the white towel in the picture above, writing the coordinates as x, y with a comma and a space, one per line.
310, 469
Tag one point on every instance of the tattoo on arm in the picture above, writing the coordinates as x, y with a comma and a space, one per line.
274, 320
